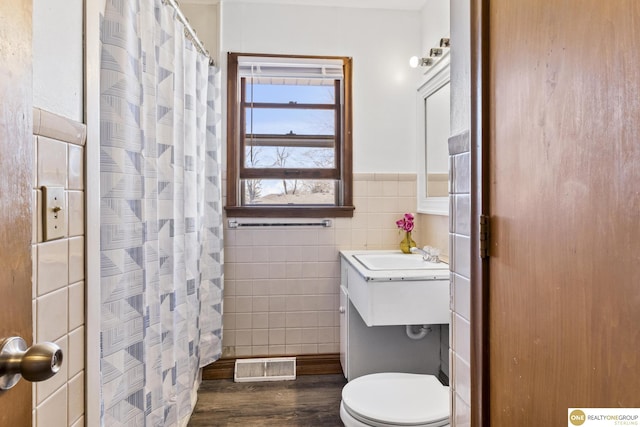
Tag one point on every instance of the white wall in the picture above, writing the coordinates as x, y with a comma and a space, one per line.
380, 43
203, 18
435, 23
460, 67
57, 57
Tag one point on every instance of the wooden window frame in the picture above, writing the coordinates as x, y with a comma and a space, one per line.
343, 171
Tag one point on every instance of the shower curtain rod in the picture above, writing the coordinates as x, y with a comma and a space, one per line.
189, 31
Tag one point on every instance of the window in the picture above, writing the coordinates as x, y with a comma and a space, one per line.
289, 136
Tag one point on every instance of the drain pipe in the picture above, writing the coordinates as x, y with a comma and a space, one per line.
423, 330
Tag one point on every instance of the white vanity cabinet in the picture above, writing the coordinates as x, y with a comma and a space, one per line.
385, 346
344, 330
344, 319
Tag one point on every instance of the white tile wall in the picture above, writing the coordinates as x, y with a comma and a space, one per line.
462, 413
459, 238
282, 284
53, 265
460, 189
75, 396
52, 162
58, 269
53, 411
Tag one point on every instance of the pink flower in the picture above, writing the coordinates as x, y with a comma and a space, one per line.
406, 222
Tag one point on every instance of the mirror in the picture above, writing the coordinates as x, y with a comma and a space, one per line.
433, 107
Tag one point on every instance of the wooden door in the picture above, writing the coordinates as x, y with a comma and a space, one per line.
16, 178
564, 164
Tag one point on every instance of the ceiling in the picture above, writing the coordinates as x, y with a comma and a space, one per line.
367, 4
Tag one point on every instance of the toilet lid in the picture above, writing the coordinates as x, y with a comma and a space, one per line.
397, 398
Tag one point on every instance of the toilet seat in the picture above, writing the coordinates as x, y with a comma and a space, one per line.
396, 399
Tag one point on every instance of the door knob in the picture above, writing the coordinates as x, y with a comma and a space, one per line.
37, 363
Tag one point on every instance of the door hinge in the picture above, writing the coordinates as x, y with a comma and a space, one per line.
485, 235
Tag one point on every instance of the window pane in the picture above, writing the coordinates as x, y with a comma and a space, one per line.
289, 191
285, 93
283, 121
288, 157
294, 137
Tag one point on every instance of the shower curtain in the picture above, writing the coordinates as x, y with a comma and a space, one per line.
161, 227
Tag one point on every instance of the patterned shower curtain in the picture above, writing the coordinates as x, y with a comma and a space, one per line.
161, 227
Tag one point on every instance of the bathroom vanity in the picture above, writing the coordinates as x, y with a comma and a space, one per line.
381, 293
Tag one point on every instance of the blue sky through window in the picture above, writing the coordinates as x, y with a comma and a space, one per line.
282, 93
282, 121
278, 121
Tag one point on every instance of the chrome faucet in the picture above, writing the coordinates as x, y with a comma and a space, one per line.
428, 253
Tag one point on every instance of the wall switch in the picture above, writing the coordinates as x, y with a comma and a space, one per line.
54, 217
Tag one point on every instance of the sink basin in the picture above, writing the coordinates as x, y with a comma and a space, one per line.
399, 261
392, 288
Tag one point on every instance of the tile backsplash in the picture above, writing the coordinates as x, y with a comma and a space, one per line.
282, 284
58, 268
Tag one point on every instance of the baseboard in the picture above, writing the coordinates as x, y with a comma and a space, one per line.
306, 364
318, 364
221, 369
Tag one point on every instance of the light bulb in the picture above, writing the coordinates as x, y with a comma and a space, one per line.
414, 61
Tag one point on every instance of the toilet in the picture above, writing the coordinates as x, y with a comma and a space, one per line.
395, 399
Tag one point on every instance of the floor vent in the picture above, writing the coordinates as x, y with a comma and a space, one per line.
268, 369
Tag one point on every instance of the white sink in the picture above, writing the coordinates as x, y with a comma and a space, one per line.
392, 288
397, 261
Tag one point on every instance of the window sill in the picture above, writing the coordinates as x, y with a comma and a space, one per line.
290, 211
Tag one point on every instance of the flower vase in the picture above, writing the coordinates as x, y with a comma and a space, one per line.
407, 243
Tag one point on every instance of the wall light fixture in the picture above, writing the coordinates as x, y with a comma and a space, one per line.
414, 61
434, 54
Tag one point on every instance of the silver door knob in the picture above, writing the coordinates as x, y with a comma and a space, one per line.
37, 363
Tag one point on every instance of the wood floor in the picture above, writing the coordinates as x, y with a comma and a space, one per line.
309, 401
